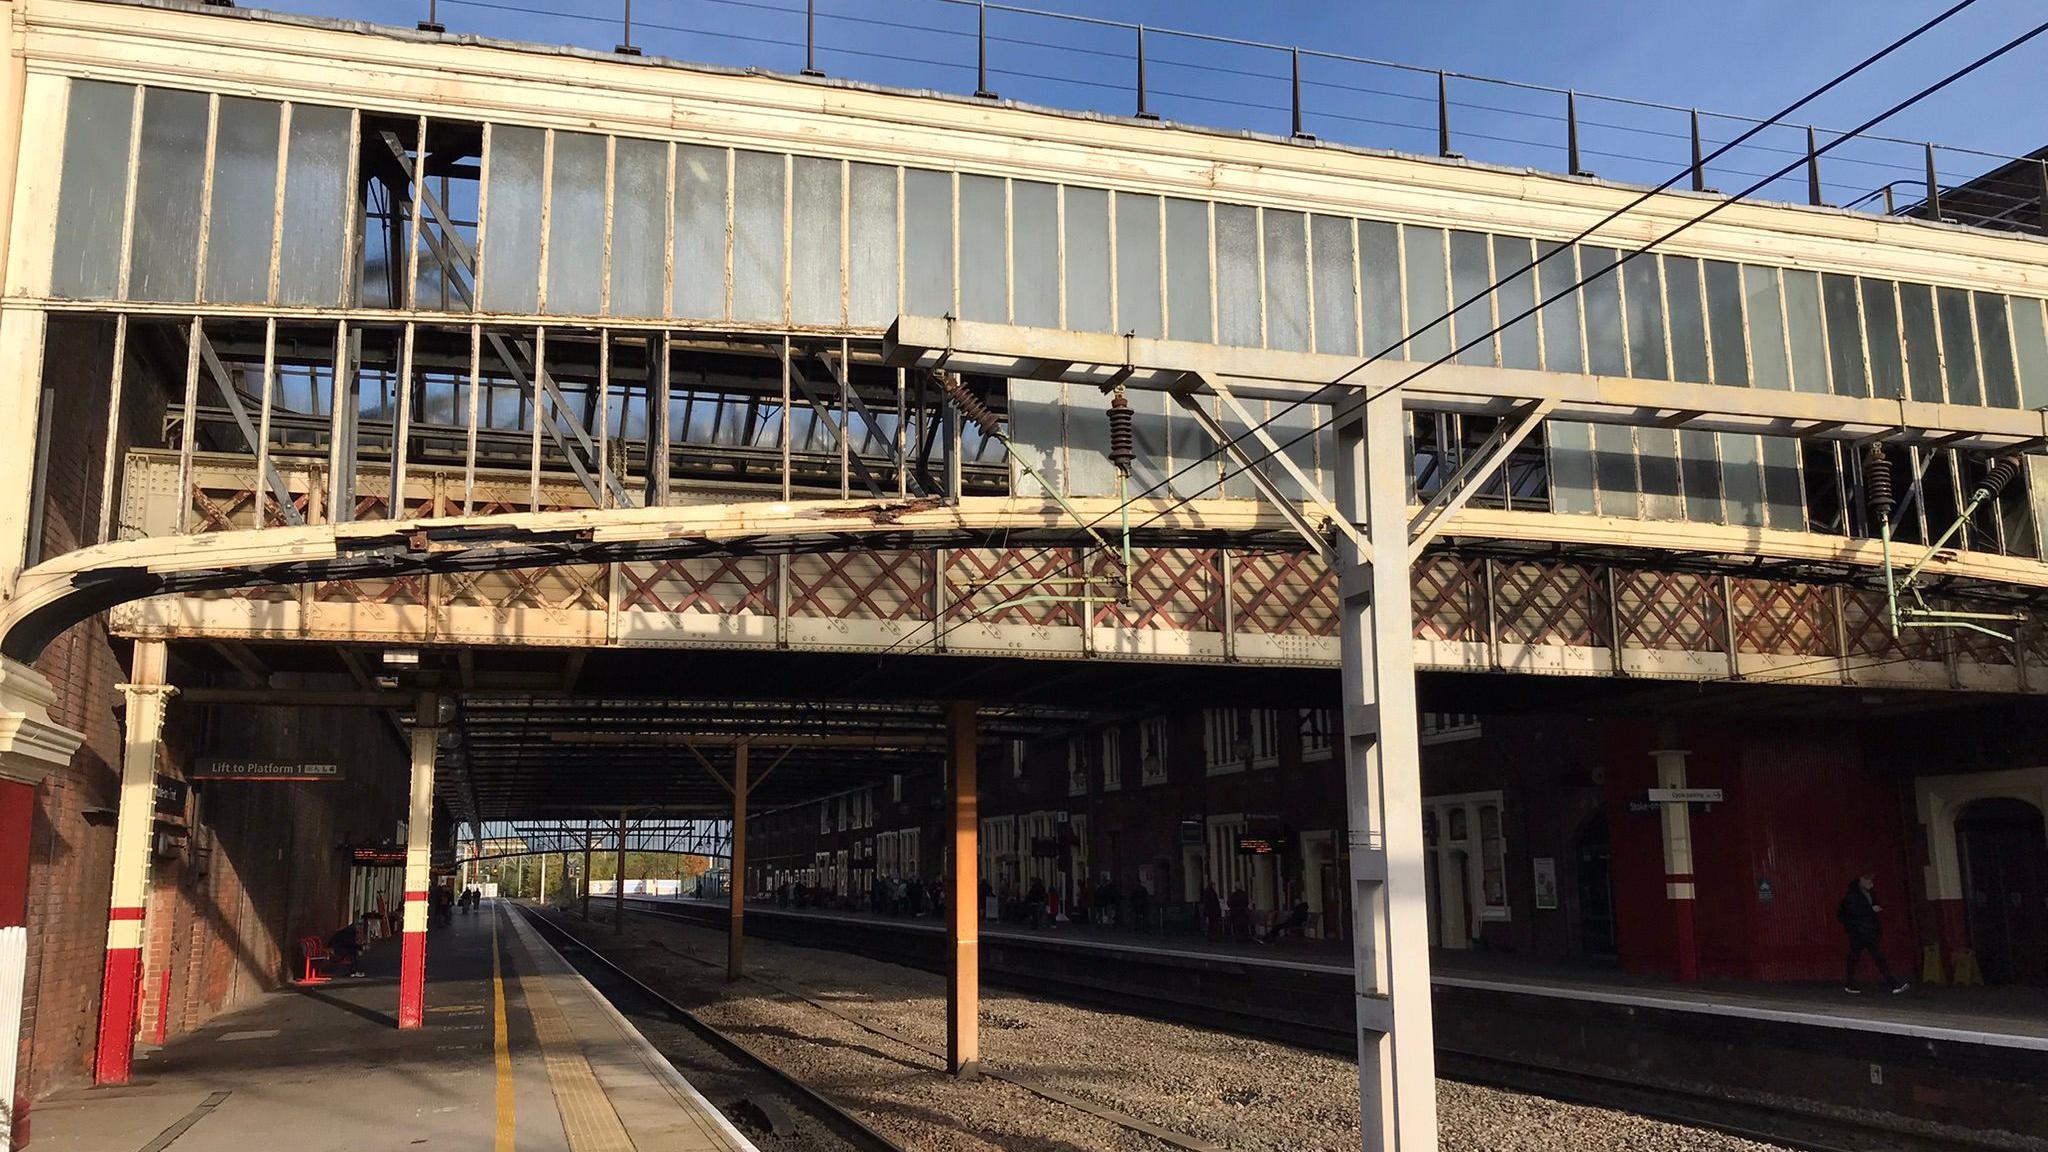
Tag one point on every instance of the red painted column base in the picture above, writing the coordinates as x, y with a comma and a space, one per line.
412, 980
1953, 925
1685, 940
120, 991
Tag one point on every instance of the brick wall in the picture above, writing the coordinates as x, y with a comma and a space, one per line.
71, 841
260, 864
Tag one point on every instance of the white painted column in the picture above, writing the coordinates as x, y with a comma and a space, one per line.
419, 859
1383, 786
1678, 876
143, 725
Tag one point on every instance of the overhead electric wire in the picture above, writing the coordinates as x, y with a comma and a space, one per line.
1318, 394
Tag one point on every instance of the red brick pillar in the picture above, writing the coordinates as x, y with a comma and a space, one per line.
419, 858
120, 986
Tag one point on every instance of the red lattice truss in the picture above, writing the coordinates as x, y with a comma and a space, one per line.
1277, 593
1551, 603
861, 585
721, 586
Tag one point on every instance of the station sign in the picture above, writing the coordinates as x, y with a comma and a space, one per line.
169, 797
1256, 846
222, 768
1685, 795
377, 855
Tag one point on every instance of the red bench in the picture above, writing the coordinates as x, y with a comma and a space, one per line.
315, 952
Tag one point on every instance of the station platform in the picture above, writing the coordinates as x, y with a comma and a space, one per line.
519, 1054
2008, 1018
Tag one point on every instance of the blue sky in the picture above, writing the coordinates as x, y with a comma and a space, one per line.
1736, 56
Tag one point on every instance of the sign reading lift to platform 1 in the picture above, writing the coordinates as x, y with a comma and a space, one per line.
224, 769
1685, 795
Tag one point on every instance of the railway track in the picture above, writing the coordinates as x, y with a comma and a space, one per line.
635, 998
1765, 1122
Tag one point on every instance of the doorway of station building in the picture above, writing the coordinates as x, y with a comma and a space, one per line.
1320, 889
1595, 872
2002, 848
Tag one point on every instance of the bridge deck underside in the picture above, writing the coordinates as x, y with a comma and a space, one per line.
1480, 605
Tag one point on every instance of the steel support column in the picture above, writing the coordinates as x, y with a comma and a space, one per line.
963, 897
1383, 785
586, 874
736, 886
1678, 881
142, 734
419, 858
619, 880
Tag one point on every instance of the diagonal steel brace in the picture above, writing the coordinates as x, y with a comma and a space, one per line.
1464, 484
233, 395
1289, 510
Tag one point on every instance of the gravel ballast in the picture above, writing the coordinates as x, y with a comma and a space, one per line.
1225, 1090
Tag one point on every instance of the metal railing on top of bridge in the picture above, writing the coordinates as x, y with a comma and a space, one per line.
1314, 93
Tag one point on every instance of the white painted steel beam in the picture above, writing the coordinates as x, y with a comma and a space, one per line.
1382, 751
1096, 359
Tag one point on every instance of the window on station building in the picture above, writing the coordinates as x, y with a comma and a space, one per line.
1112, 759
1237, 738
1466, 838
1318, 733
1492, 867
1152, 762
1077, 767
1445, 727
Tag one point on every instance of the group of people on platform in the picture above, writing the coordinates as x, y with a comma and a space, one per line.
905, 896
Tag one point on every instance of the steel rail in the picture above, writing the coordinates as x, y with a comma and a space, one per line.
855, 1130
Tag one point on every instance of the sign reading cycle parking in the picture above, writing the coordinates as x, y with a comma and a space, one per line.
214, 768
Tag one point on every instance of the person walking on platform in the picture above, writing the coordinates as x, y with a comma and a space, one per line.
1212, 913
1858, 913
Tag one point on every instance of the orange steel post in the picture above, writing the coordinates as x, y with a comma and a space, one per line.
963, 899
736, 888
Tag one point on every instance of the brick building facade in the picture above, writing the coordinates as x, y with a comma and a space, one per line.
1542, 836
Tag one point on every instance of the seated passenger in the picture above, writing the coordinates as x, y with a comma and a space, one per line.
1296, 920
346, 947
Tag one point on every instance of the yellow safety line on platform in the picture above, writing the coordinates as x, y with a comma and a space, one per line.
501, 1038
588, 1119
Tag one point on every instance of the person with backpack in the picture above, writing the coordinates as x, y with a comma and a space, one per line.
1858, 913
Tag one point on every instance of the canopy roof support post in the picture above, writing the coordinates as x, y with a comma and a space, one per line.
963, 897
736, 886
419, 855
619, 880
1383, 784
142, 734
